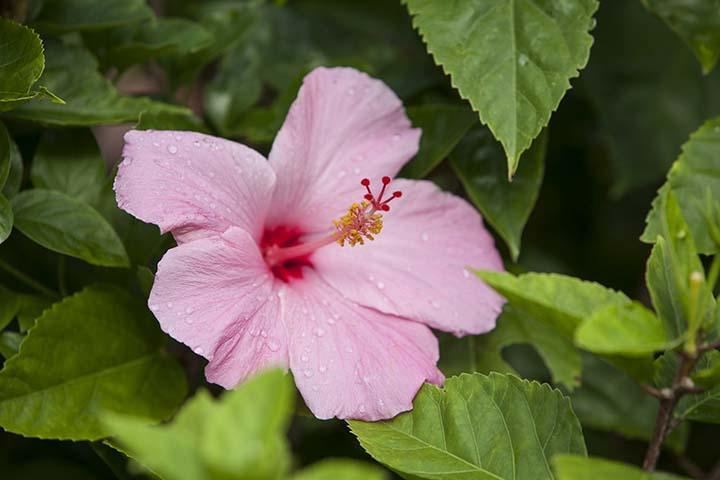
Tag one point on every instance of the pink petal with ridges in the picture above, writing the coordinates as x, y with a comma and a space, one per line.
343, 126
416, 267
193, 185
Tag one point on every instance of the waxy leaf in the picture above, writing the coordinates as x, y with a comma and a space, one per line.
575, 467
697, 22
694, 180
63, 16
511, 59
6, 218
66, 225
476, 427
628, 330
98, 350
89, 98
442, 128
240, 435
506, 204
69, 161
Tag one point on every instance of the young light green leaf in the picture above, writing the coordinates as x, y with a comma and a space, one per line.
335, 469
65, 225
90, 98
69, 161
696, 22
6, 218
628, 330
559, 300
632, 413
671, 268
575, 467
98, 350
10, 343
694, 180
442, 128
483, 354
241, 435
476, 427
479, 164
511, 59
58, 17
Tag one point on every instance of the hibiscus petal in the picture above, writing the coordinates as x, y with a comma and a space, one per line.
193, 185
416, 267
342, 127
354, 362
206, 288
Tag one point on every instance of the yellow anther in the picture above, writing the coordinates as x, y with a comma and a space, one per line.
358, 224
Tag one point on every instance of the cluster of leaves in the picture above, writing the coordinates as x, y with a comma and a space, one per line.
86, 361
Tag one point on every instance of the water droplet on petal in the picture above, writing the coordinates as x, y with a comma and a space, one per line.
323, 369
425, 237
381, 285
319, 332
172, 149
396, 137
127, 161
154, 307
351, 91
273, 346
198, 350
356, 171
466, 274
169, 304
362, 408
308, 373
435, 304
304, 358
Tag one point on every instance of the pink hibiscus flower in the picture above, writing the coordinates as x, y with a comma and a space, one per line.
258, 278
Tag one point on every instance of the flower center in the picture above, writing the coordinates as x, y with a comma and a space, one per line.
286, 255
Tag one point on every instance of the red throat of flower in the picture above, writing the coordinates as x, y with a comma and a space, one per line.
286, 255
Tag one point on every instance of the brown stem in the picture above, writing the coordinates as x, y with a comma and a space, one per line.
715, 472
690, 467
664, 420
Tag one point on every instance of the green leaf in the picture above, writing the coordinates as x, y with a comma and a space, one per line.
479, 164
10, 343
65, 225
694, 180
334, 469
159, 38
15, 174
96, 351
612, 401
443, 125
241, 435
6, 218
628, 330
701, 407
21, 63
476, 427
708, 375
669, 268
575, 467
63, 16
90, 98
562, 301
657, 79
483, 353
153, 120
69, 161
512, 59
697, 22
5, 154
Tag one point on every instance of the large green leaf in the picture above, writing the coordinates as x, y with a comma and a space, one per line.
336, 469
697, 22
442, 128
69, 161
241, 435
612, 401
62, 16
15, 173
98, 350
66, 225
484, 353
695, 181
657, 79
476, 427
671, 265
21, 63
90, 98
559, 300
505, 204
629, 329
575, 467
512, 59
6, 218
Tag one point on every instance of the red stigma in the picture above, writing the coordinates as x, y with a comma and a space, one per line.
377, 202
